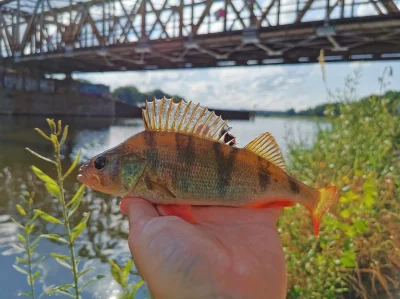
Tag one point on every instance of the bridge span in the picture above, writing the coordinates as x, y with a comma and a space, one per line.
64, 36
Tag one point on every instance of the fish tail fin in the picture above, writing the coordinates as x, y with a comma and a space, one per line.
327, 197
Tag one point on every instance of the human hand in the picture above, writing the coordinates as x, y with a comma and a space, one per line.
229, 253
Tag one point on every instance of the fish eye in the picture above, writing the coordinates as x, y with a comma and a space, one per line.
100, 162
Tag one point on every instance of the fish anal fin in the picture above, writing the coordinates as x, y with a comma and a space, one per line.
158, 186
266, 147
181, 211
279, 203
168, 116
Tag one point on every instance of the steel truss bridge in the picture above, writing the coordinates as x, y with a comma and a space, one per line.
64, 36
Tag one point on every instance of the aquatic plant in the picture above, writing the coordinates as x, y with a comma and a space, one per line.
27, 263
57, 137
358, 250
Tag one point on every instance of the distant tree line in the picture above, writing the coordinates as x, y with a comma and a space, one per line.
392, 96
131, 95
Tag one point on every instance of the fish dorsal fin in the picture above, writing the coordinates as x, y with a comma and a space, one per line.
266, 147
166, 115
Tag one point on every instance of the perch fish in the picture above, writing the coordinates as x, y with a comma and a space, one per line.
187, 157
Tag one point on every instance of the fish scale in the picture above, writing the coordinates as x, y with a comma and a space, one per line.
186, 156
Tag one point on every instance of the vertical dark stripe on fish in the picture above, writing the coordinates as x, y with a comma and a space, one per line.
186, 156
152, 150
225, 166
294, 186
264, 175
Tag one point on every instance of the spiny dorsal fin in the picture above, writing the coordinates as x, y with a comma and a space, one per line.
266, 147
166, 115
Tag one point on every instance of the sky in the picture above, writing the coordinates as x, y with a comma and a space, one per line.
279, 87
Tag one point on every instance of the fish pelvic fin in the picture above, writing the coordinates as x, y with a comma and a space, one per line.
327, 197
181, 211
169, 116
266, 147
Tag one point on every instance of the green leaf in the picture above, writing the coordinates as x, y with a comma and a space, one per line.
28, 280
77, 231
52, 125
64, 136
18, 246
85, 272
361, 226
76, 203
40, 156
63, 263
65, 292
59, 127
126, 270
19, 269
30, 228
116, 272
47, 217
54, 237
345, 214
20, 210
20, 260
25, 294
31, 249
80, 227
21, 238
60, 256
42, 133
53, 189
138, 285
78, 195
61, 288
56, 145
35, 241
36, 275
73, 166
42, 176
17, 223
348, 259
98, 277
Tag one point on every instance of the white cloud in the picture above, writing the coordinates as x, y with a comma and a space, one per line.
264, 87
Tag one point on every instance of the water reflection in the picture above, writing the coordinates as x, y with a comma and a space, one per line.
107, 230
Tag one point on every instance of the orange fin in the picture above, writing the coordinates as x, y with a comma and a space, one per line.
274, 204
266, 147
327, 198
182, 211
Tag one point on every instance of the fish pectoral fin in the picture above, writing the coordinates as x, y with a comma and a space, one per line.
158, 186
274, 204
181, 211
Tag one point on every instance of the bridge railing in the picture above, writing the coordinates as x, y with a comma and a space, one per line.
37, 27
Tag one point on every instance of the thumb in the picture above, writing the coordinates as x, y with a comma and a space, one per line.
139, 212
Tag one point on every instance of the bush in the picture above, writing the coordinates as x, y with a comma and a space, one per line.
357, 252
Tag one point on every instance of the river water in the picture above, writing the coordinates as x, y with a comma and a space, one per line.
106, 235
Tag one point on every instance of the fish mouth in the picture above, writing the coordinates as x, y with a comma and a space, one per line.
82, 175
80, 178
85, 176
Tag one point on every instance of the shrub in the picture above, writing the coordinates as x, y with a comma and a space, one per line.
358, 250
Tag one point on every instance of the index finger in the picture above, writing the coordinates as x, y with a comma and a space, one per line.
139, 211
